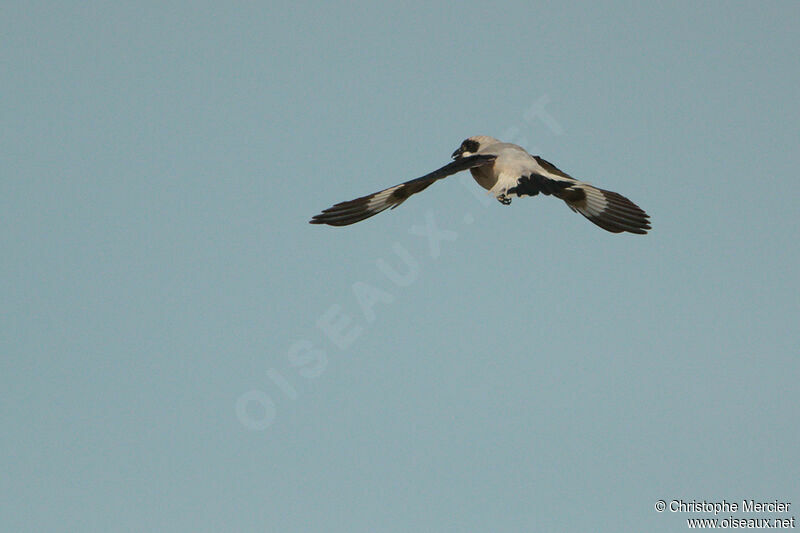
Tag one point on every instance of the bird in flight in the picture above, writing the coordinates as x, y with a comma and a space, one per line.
505, 170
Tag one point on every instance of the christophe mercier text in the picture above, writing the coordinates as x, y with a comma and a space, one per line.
747, 506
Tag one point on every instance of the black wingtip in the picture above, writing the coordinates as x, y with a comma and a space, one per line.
320, 219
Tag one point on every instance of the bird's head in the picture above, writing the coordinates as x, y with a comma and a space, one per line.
473, 145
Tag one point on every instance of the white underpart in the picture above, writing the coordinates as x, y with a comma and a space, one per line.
504, 182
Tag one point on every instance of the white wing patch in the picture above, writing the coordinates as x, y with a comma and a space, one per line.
595, 201
609, 210
380, 200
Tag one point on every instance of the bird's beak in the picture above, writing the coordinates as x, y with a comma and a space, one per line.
457, 153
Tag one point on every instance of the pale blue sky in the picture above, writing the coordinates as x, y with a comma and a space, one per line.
531, 372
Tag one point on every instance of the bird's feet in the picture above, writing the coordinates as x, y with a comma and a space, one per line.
503, 199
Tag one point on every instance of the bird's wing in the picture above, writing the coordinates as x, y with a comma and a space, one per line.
350, 212
609, 210
552, 169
